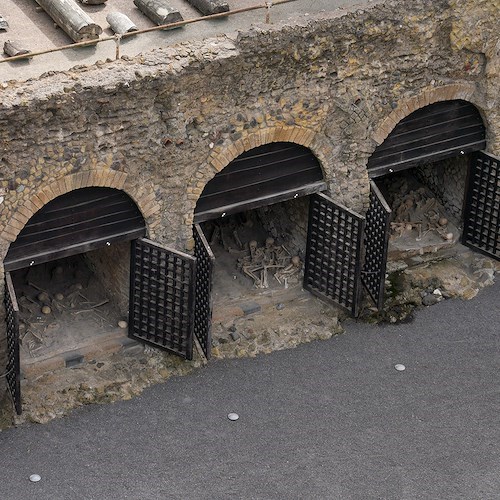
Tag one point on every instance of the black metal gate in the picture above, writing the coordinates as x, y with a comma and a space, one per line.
378, 219
334, 249
13, 372
162, 297
203, 304
482, 205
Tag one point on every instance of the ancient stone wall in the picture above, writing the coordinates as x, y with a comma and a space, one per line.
447, 180
111, 266
161, 125
287, 222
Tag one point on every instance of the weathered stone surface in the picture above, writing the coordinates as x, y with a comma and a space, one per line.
460, 275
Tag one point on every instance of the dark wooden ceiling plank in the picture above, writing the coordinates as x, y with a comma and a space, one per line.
425, 159
260, 189
455, 125
75, 249
436, 131
428, 149
262, 172
220, 186
250, 204
76, 220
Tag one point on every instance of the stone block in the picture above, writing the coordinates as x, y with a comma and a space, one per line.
72, 359
250, 308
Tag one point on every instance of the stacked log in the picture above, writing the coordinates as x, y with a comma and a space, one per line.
208, 7
120, 23
159, 11
72, 19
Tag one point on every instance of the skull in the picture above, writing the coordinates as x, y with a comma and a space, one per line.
252, 245
295, 261
269, 242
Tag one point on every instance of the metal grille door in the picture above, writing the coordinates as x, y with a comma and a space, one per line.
203, 304
162, 297
334, 249
13, 372
378, 219
482, 205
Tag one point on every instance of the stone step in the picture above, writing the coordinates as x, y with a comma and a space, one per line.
95, 351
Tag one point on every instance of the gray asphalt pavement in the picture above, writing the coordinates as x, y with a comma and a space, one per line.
328, 420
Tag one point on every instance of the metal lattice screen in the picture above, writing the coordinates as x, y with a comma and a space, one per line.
378, 219
482, 207
162, 297
332, 264
13, 374
203, 304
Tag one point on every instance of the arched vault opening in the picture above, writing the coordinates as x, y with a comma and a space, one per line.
432, 186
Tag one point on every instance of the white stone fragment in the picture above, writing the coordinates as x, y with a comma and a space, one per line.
34, 478
399, 367
233, 416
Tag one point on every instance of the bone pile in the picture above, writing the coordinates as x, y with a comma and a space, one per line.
42, 310
270, 258
418, 210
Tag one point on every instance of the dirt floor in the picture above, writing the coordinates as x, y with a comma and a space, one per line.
63, 309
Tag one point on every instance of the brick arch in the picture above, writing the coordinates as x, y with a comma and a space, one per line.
99, 177
221, 157
429, 95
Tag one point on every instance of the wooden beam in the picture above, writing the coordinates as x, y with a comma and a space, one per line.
72, 19
120, 23
208, 7
159, 11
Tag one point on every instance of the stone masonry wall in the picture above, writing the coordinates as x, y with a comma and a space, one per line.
111, 266
447, 180
161, 125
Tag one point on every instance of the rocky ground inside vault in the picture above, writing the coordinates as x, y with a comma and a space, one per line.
258, 328
425, 280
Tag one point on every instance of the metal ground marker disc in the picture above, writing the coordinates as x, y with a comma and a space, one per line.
233, 416
34, 478
399, 367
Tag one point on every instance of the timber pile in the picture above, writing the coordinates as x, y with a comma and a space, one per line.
159, 11
72, 19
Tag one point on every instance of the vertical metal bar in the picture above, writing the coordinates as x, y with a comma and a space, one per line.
481, 226
332, 267
357, 270
13, 374
376, 242
172, 327
205, 260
